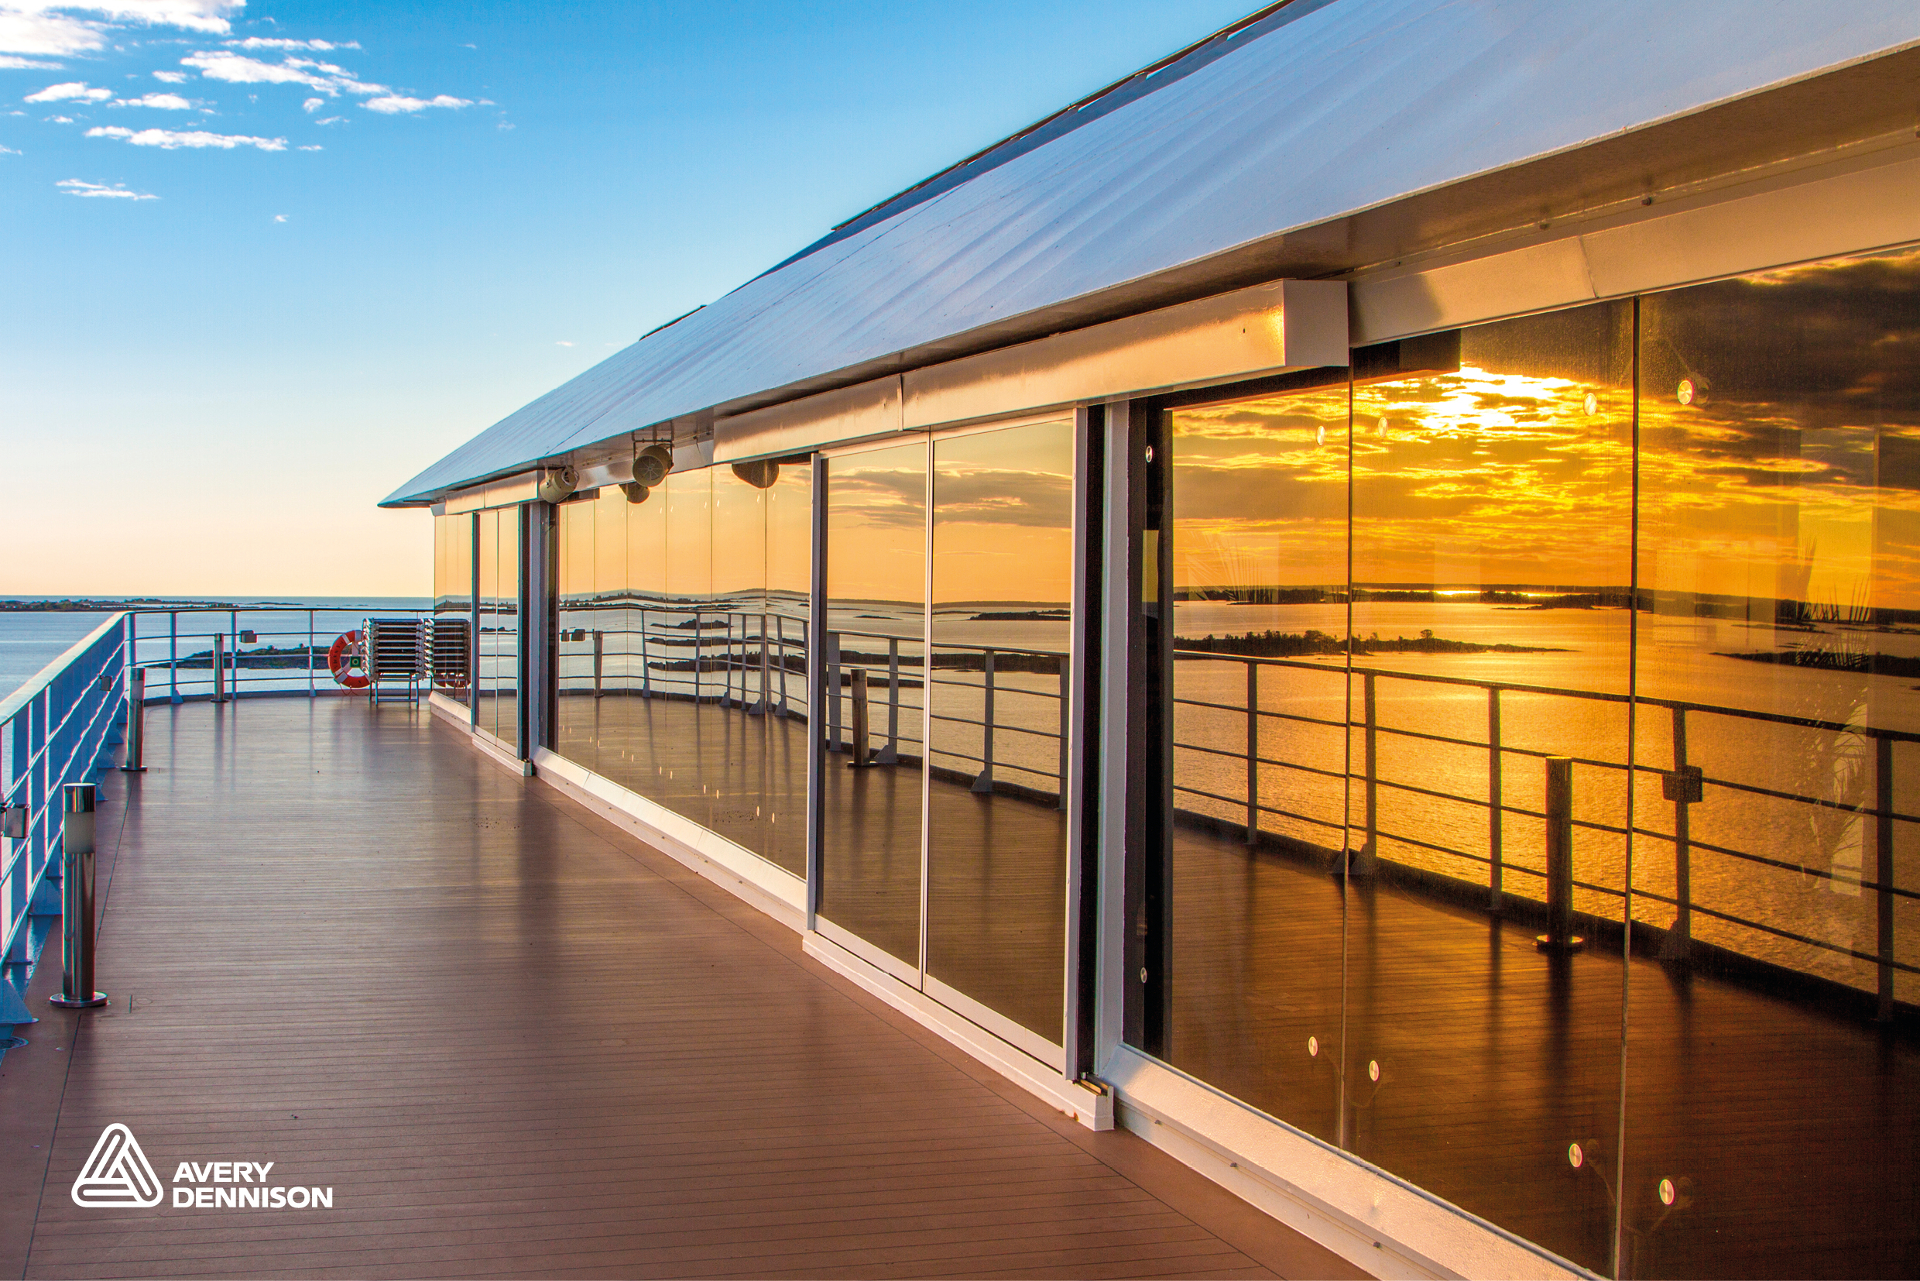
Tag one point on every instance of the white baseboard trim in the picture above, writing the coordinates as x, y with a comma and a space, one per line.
742, 873
1357, 1210
1081, 1102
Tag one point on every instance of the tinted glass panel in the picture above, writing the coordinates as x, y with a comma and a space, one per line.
664, 599
1771, 1120
876, 620
1259, 567
452, 641
1492, 525
996, 844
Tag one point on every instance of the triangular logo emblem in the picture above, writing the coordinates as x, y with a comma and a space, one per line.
117, 1173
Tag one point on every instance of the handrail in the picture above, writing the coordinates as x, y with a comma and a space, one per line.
54, 730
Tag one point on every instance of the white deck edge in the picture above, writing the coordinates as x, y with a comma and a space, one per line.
1355, 1209
1079, 1102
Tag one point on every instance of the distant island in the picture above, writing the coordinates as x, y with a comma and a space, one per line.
1309, 644
83, 605
1023, 616
1836, 661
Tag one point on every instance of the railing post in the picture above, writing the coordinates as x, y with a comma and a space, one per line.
832, 657
1679, 787
696, 656
890, 754
862, 753
1559, 810
233, 639
766, 671
780, 648
311, 691
1883, 866
1253, 752
1066, 727
984, 783
599, 656
646, 661
1496, 801
136, 721
219, 668
76, 924
173, 656
1369, 849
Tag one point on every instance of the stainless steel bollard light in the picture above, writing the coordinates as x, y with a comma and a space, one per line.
136, 721
76, 914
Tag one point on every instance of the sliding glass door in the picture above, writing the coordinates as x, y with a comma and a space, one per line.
949, 599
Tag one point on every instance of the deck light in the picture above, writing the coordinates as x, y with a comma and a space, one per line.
636, 492
651, 465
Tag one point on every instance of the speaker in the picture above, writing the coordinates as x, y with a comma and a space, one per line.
651, 465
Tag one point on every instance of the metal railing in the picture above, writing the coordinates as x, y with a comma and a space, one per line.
235, 651
1684, 785
58, 728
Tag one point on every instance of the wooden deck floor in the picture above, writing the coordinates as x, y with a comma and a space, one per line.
515, 1042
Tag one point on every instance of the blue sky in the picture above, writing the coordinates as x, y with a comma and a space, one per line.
350, 236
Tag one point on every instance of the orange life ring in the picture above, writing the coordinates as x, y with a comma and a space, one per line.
346, 660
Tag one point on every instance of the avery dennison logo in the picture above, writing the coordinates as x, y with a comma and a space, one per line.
241, 1185
119, 1174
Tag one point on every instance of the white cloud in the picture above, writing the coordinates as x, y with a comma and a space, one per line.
312, 105
323, 77
51, 27
173, 140
8, 151
171, 77
279, 217
394, 104
563, 343
118, 191
59, 120
10, 63
158, 101
311, 146
25, 32
193, 15
273, 42
72, 91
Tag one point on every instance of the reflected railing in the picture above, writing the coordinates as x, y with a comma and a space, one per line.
1684, 786
755, 661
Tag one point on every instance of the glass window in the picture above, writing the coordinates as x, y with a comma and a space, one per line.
670, 658
1252, 957
1492, 572
1771, 1110
996, 845
876, 627
452, 641
789, 598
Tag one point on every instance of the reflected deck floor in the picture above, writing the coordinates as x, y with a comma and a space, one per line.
1793, 1132
515, 1041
